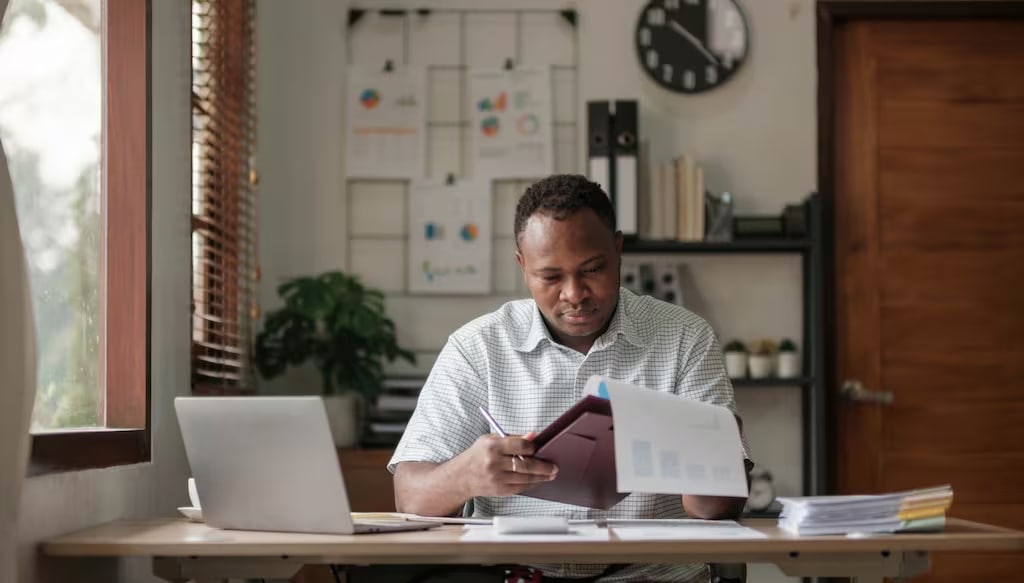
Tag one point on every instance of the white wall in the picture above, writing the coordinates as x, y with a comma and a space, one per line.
755, 137
60, 503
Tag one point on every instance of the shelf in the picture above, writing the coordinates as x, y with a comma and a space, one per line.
767, 246
773, 382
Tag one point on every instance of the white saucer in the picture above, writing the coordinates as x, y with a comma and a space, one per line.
192, 513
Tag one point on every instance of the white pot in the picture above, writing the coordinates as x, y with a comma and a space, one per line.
788, 365
760, 366
736, 364
343, 418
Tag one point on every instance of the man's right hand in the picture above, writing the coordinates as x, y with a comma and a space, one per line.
492, 468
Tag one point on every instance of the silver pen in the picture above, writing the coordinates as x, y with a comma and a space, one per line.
496, 428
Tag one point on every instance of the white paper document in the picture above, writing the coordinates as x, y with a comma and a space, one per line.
450, 237
577, 533
668, 444
684, 530
386, 119
511, 122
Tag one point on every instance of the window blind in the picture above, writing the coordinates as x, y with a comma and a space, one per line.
224, 268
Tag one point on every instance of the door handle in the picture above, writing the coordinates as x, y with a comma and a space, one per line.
854, 391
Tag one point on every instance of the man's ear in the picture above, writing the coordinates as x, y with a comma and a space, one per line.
618, 242
519, 260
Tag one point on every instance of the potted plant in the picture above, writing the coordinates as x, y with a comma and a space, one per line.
339, 325
788, 365
761, 358
736, 359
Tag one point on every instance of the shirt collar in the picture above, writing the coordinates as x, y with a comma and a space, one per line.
621, 324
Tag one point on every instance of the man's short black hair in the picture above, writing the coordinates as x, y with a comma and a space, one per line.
561, 196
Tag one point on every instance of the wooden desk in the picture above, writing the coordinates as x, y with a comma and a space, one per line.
183, 550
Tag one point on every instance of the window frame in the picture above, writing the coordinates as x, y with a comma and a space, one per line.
126, 292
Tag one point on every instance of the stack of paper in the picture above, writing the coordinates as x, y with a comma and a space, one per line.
914, 510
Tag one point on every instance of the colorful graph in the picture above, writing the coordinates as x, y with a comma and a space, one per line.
498, 104
490, 126
432, 231
434, 271
522, 99
369, 98
470, 232
527, 124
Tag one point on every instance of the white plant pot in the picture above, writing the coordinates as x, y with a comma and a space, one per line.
788, 365
736, 364
343, 418
760, 366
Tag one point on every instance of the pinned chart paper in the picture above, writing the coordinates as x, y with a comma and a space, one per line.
511, 121
386, 132
668, 444
450, 237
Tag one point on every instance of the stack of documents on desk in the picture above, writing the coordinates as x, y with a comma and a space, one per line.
921, 510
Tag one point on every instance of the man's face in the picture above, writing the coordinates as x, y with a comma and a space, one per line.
572, 270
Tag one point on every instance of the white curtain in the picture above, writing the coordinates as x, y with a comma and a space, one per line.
17, 368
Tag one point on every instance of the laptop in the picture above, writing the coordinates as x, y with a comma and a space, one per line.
269, 463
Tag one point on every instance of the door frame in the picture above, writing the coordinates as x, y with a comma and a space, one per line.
832, 14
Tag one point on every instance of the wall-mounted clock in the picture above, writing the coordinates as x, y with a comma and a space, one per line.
691, 46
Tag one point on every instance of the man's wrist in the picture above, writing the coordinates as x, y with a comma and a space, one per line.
459, 472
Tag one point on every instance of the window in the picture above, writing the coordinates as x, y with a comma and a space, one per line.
224, 269
73, 107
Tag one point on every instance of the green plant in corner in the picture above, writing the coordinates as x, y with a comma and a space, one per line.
337, 323
787, 345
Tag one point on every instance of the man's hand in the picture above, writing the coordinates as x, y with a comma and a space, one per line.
485, 469
500, 466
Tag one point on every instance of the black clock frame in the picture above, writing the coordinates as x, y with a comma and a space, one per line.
725, 75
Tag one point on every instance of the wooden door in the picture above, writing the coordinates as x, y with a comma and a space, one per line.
929, 215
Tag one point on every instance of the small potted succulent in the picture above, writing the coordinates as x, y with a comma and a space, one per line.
788, 360
736, 359
762, 357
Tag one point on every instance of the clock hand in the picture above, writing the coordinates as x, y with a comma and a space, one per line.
693, 40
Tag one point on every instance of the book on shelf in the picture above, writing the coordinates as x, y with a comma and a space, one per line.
674, 204
920, 510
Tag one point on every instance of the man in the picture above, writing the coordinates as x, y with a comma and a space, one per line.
528, 362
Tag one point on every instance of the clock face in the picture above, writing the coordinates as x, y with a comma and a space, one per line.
691, 46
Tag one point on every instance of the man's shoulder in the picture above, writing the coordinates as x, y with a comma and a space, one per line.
508, 323
655, 317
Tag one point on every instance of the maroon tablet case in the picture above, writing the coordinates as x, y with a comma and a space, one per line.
581, 442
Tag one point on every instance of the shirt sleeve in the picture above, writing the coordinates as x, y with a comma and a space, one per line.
446, 420
703, 377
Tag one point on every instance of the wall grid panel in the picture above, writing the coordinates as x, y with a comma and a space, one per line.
447, 42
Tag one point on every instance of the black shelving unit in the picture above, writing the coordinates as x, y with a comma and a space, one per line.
811, 250
744, 246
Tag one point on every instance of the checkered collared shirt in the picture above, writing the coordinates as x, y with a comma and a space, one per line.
507, 362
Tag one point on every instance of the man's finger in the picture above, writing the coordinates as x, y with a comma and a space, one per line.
530, 466
518, 479
516, 446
